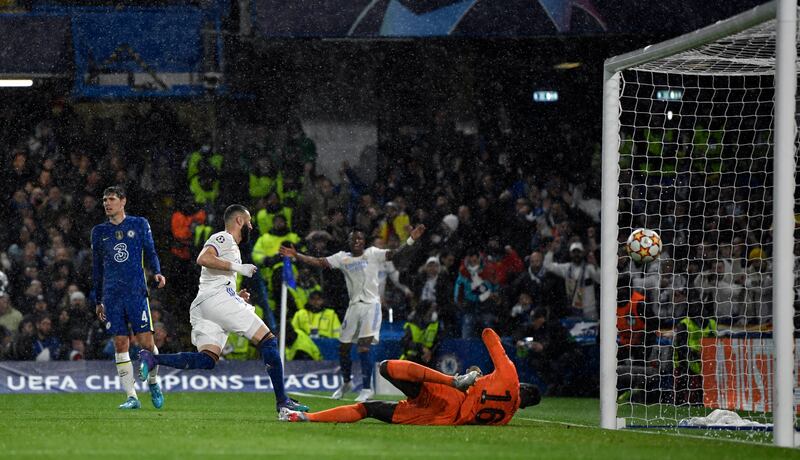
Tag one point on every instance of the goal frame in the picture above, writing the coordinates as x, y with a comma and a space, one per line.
785, 11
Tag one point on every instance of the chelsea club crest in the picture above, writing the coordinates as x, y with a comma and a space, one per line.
131, 233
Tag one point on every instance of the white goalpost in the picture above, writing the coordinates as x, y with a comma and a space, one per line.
699, 144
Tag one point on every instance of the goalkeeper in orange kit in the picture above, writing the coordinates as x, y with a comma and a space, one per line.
439, 399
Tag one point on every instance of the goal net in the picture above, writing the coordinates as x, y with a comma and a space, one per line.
696, 141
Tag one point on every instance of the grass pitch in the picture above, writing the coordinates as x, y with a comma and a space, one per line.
244, 425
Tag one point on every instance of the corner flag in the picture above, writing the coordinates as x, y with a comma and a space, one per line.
288, 274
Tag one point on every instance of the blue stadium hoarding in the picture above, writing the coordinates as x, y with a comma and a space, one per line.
101, 377
486, 18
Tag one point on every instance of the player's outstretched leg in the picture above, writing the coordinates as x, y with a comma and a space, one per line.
185, 360
413, 372
342, 414
272, 359
379, 410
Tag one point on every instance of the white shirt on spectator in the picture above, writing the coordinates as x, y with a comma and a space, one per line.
579, 280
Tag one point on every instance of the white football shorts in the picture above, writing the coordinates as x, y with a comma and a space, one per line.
361, 320
217, 313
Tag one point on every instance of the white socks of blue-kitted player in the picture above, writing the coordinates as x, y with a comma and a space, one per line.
125, 372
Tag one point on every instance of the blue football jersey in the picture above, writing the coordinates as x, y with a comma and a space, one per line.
119, 254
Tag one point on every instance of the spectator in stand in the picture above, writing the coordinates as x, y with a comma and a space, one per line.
22, 348
435, 286
450, 264
580, 276
367, 215
446, 238
543, 287
319, 196
550, 350
466, 232
66, 227
80, 316
33, 298
263, 178
10, 317
698, 323
395, 222
271, 208
20, 173
265, 252
164, 340
76, 346
520, 228
336, 226
714, 289
758, 292
475, 294
503, 261
6, 343
521, 312
46, 346
310, 323
422, 333
91, 213
189, 229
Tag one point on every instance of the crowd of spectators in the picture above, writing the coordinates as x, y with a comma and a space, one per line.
709, 197
504, 237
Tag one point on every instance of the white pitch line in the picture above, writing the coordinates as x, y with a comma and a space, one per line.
680, 435
310, 395
555, 422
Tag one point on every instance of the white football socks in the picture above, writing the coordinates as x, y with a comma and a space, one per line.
125, 371
152, 377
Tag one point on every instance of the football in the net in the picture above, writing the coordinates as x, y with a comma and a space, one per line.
643, 246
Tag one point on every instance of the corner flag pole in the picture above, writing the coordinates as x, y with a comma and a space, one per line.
288, 282
282, 336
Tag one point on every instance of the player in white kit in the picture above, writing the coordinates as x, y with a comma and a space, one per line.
218, 310
362, 321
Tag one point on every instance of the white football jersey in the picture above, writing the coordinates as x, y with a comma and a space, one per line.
361, 273
227, 249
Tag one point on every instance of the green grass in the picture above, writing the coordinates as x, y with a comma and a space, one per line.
244, 425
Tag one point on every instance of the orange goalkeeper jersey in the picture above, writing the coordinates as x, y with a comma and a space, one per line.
494, 398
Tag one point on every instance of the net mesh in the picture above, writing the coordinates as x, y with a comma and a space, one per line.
696, 144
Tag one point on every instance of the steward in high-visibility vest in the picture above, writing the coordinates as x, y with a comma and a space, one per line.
202, 171
264, 178
630, 323
421, 334
312, 322
707, 152
266, 215
265, 251
289, 191
687, 344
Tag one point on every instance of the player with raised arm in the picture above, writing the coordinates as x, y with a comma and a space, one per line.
119, 287
218, 310
438, 399
362, 320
